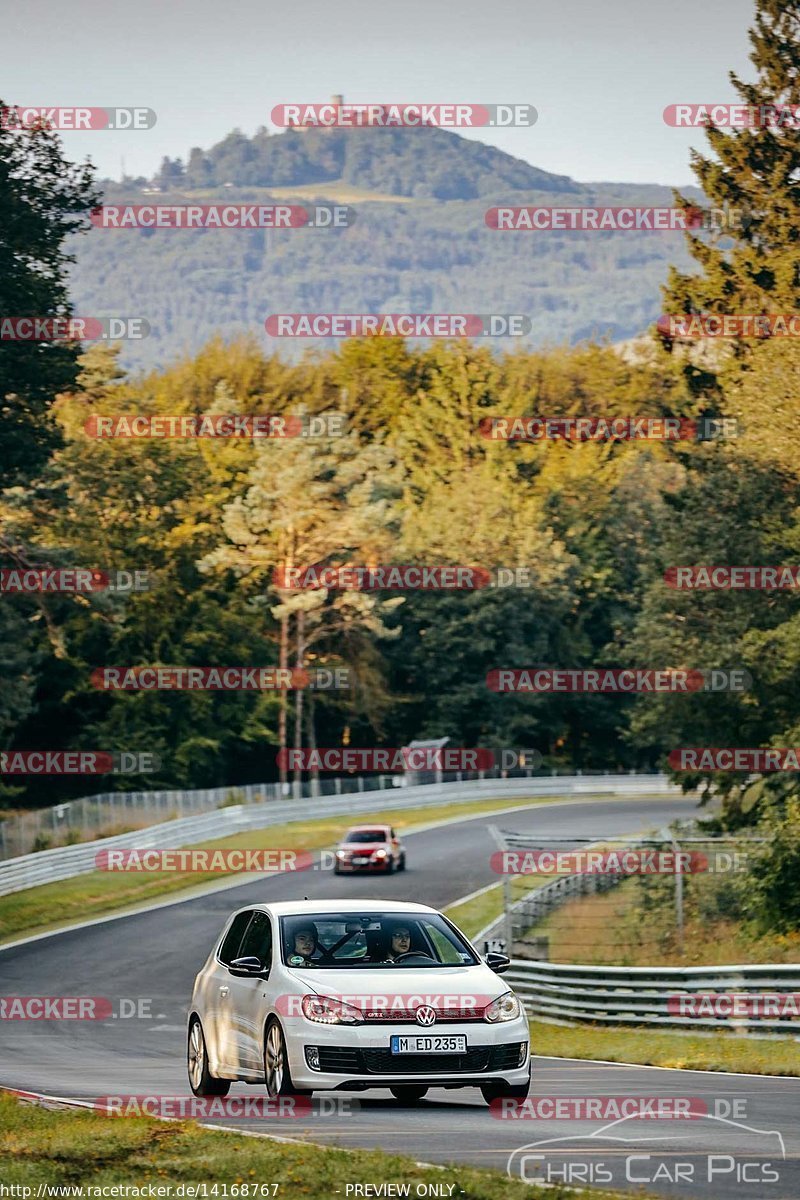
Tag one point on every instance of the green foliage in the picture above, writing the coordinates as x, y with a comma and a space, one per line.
740, 504
412, 481
423, 255
43, 199
773, 895
391, 161
755, 172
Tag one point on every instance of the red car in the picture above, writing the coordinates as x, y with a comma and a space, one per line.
370, 848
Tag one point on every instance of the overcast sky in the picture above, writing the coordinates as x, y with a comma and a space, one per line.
600, 72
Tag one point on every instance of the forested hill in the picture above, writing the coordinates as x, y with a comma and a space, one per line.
428, 163
419, 244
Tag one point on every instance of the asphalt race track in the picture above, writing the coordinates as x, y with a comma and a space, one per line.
754, 1124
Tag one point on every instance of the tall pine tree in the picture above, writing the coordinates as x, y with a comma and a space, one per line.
754, 172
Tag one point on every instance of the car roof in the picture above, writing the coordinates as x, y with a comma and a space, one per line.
299, 908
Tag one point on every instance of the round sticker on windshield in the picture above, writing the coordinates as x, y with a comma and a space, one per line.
296, 960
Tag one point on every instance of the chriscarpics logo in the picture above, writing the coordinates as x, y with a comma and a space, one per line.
710, 1155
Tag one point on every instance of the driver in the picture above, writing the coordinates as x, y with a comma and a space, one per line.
306, 942
400, 943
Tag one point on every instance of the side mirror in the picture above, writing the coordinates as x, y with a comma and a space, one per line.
247, 966
499, 963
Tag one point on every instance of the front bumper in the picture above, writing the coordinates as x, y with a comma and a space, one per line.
359, 1056
348, 867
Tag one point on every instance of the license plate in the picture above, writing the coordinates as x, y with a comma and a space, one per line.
359, 859
436, 1043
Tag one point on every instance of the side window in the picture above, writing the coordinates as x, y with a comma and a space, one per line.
230, 944
257, 941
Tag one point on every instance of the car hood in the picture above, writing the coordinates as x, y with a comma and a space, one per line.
420, 986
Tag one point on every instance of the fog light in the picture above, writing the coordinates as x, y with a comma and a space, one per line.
523, 1054
312, 1057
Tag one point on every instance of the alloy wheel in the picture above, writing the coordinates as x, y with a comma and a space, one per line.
274, 1060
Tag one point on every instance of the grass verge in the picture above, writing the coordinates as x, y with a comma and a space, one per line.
648, 1047
52, 905
64, 1147
474, 914
658, 1048
634, 925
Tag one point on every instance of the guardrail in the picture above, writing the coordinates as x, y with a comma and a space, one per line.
525, 913
652, 996
65, 862
102, 814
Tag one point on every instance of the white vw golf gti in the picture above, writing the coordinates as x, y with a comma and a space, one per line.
315, 995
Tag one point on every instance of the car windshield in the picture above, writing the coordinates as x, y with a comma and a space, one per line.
366, 835
355, 940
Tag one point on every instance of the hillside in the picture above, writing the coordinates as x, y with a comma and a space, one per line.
419, 243
428, 163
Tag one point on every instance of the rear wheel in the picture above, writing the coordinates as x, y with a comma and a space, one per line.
201, 1081
409, 1093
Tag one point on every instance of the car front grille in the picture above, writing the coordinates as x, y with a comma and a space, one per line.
378, 1016
346, 1060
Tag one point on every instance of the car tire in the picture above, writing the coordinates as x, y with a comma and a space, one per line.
401, 866
389, 865
277, 1077
337, 869
409, 1093
201, 1081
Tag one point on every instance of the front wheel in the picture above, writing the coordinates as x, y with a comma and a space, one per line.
401, 866
277, 1078
408, 1093
201, 1081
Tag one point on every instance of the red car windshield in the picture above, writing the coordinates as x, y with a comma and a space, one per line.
364, 836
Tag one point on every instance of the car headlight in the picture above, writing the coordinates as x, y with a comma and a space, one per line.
341, 854
504, 1008
379, 854
327, 1010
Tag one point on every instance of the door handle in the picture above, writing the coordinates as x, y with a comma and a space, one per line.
224, 989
